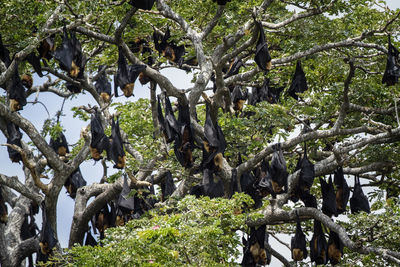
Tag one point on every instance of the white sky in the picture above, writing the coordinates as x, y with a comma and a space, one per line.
93, 173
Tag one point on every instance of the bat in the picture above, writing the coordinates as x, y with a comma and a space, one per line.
249, 185
211, 188
74, 182
3, 209
392, 70
238, 97
16, 92
60, 145
14, 138
298, 243
167, 186
100, 141
184, 142
299, 82
328, 197
168, 49
254, 252
262, 56
27, 80
335, 248
142, 4
125, 205
103, 86
46, 47
171, 124
47, 238
116, 146
90, 241
4, 53
161, 122
343, 191
318, 245
28, 230
126, 75
234, 67
358, 202
35, 62
308, 199
278, 170
264, 176
307, 172
103, 220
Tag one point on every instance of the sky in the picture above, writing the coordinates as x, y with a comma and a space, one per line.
93, 172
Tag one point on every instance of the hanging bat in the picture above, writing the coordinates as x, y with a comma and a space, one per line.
307, 172
14, 138
211, 188
184, 141
90, 241
262, 56
103, 220
142, 4
103, 86
335, 248
392, 70
47, 239
167, 186
171, 124
46, 47
17, 94
4, 53
126, 75
116, 146
238, 97
299, 82
125, 205
343, 191
60, 145
234, 67
308, 199
265, 185
28, 230
100, 141
74, 182
328, 197
35, 62
298, 243
161, 122
254, 252
358, 202
278, 170
318, 245
3, 209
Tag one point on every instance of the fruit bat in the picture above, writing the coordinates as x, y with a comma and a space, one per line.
103, 86
142, 4
343, 191
126, 75
307, 172
4, 53
125, 205
238, 97
70, 56
47, 47
3, 209
171, 124
167, 186
161, 122
278, 170
28, 230
35, 62
27, 80
262, 56
268, 93
234, 67
100, 141
299, 82
211, 188
214, 145
308, 199
392, 71
73, 88
358, 202
221, 2
168, 49
14, 138
47, 239
90, 241
298, 243
103, 220
16, 93
266, 184
74, 182
328, 197
184, 141
234, 183
116, 146
59, 145
335, 248
318, 245
254, 252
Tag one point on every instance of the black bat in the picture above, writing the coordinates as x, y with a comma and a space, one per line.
238, 97
103, 220
27, 80
74, 182
103, 86
47, 238
3, 209
392, 70
16, 93
307, 172
264, 176
249, 185
46, 47
116, 146
308, 199
358, 202
125, 205
211, 188
14, 138
171, 124
28, 230
100, 141
161, 122
262, 56
4, 53
254, 252
298, 243
167, 186
126, 75
90, 241
299, 82
343, 191
142, 4
278, 170
184, 141
335, 248
328, 197
221, 2
35, 62
318, 245
59, 145
234, 67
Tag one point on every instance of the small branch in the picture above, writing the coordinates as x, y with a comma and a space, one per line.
15, 184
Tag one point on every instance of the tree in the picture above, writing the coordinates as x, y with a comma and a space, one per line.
343, 113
